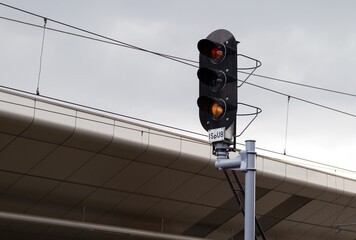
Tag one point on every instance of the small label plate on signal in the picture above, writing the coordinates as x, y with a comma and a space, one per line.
216, 135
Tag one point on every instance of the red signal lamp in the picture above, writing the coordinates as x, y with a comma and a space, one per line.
212, 50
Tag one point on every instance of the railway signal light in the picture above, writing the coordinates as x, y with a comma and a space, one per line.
218, 80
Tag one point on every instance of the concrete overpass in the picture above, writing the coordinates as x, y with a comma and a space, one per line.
67, 171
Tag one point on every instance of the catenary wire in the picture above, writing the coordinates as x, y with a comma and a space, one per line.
286, 131
300, 84
118, 43
175, 58
41, 57
302, 100
166, 55
170, 56
98, 35
181, 60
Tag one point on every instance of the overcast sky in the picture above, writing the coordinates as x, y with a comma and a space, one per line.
308, 42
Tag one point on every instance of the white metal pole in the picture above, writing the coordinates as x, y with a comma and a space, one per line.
250, 191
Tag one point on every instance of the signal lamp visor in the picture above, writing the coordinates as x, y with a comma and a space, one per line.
215, 79
215, 107
212, 50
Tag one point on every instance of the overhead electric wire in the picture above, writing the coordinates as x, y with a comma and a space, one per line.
174, 57
41, 56
177, 59
64, 32
302, 100
123, 44
300, 84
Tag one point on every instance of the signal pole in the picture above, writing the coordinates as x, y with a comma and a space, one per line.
245, 162
250, 191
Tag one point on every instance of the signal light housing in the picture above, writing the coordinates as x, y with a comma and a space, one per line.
218, 80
